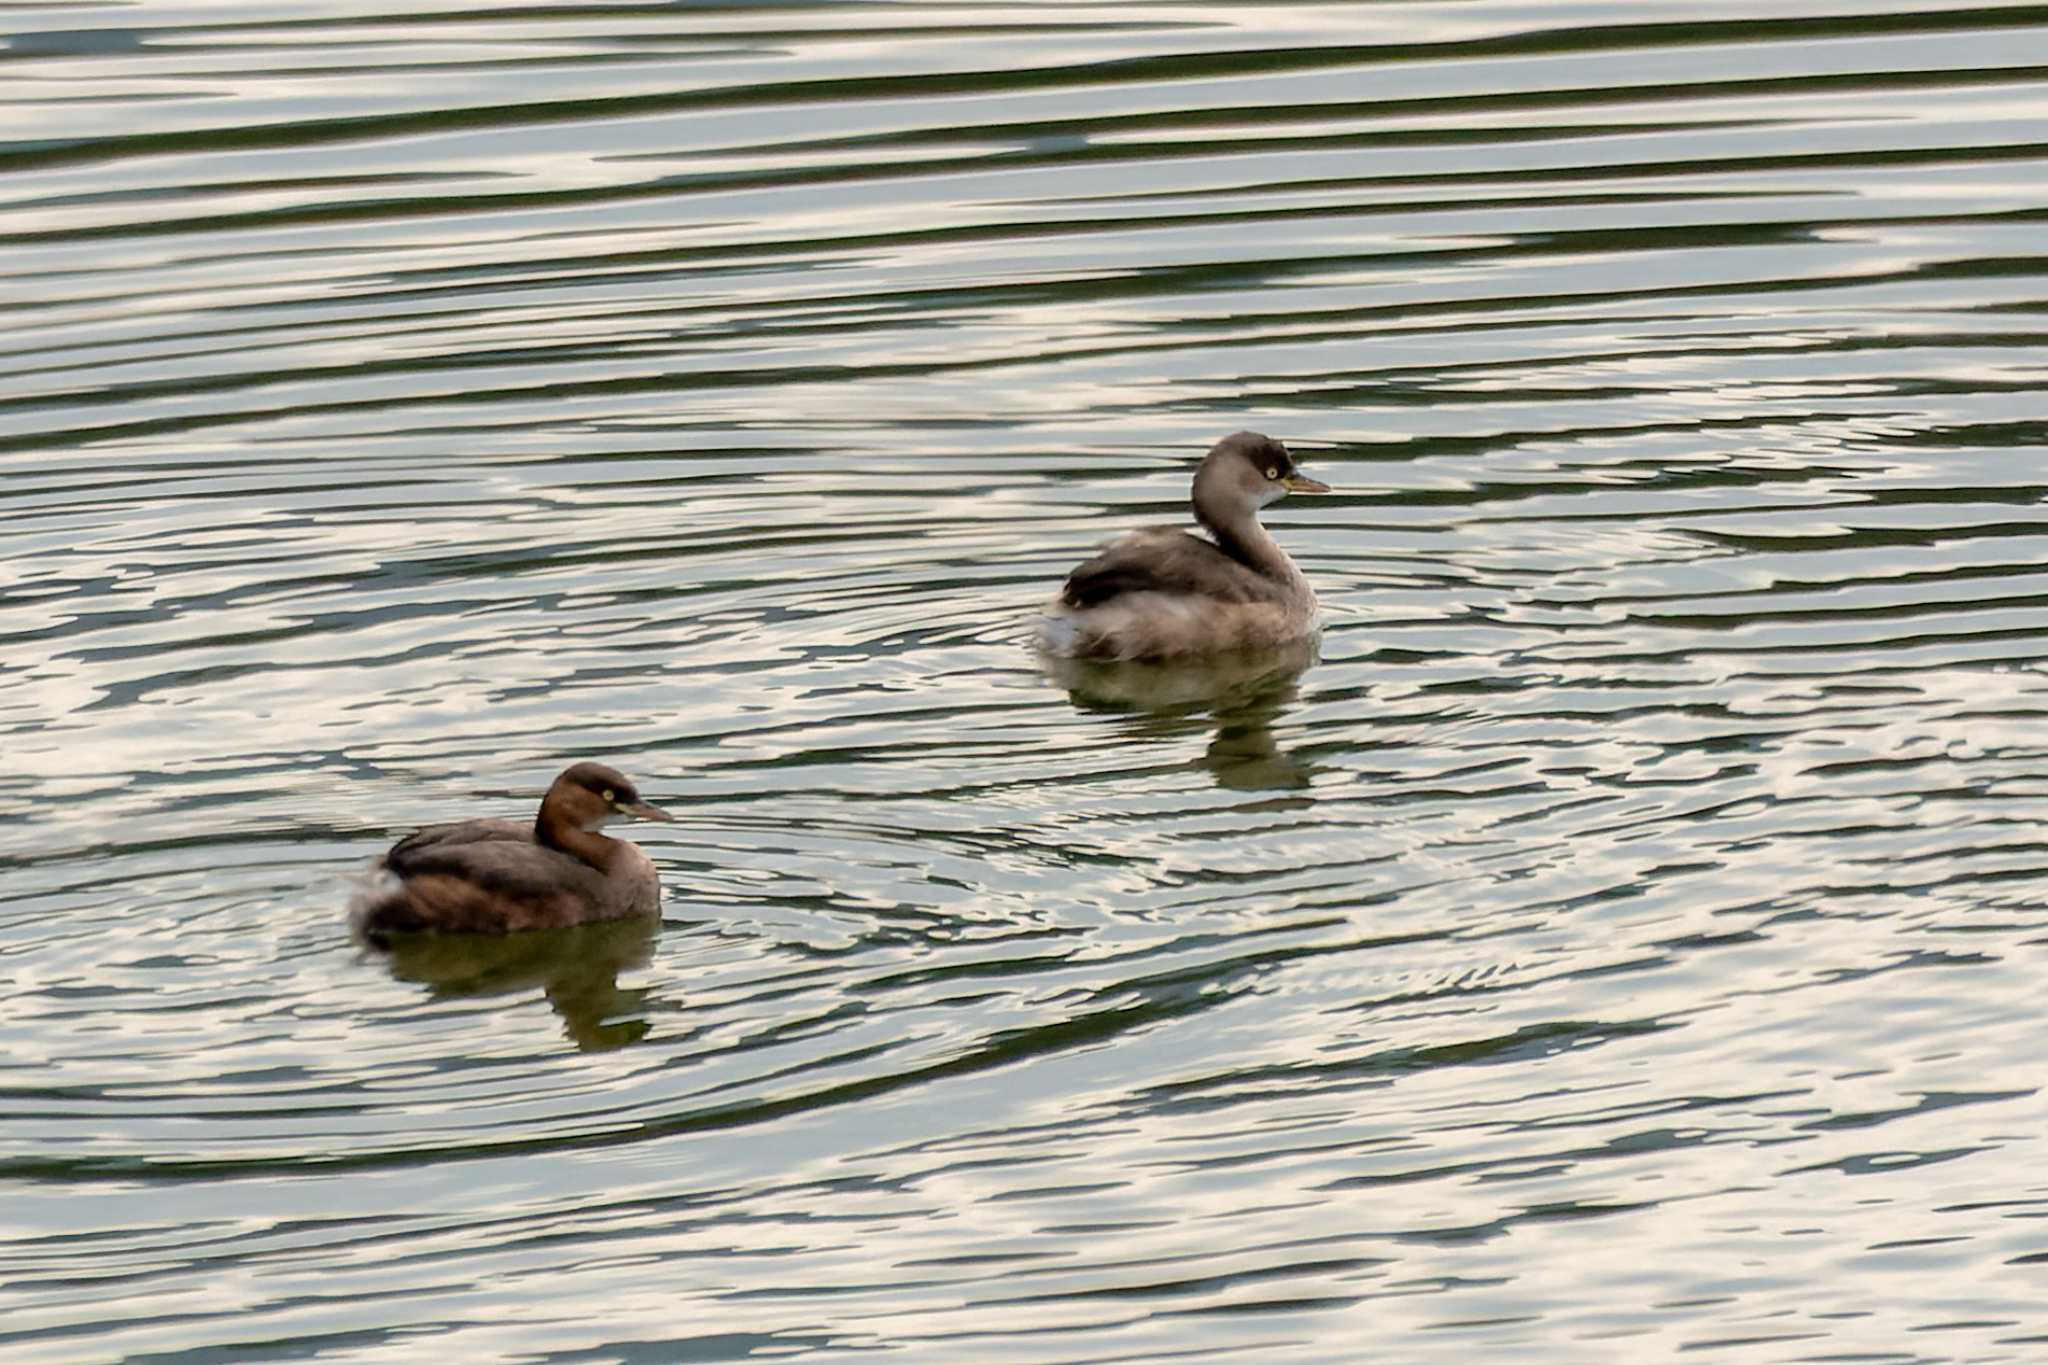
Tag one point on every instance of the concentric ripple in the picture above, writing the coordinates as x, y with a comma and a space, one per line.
1623, 939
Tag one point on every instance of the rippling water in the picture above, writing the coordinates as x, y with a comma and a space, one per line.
1623, 941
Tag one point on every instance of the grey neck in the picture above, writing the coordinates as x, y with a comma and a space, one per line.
1246, 541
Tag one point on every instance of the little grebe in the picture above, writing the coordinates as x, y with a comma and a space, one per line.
1161, 594
495, 876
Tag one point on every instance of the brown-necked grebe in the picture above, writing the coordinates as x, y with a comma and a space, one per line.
495, 876
1160, 594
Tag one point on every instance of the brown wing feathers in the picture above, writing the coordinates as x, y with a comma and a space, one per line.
1165, 561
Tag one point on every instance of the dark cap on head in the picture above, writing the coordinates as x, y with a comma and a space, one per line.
1255, 449
596, 777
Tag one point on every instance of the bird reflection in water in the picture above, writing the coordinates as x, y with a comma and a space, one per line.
576, 968
1240, 694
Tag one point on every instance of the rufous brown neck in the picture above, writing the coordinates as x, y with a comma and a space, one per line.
558, 827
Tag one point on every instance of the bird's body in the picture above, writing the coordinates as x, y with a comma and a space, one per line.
1161, 594
498, 876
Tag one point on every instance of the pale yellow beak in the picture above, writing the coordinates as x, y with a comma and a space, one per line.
640, 810
1302, 483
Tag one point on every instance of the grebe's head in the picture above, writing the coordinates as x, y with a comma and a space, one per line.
1244, 471
591, 796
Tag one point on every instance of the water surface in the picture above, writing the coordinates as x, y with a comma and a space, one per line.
1623, 941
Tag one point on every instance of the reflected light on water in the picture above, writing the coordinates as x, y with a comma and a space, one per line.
1621, 939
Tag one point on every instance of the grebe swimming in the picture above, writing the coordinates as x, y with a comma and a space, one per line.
1161, 594
496, 876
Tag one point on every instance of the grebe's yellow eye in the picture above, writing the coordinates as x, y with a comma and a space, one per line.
608, 798
1272, 473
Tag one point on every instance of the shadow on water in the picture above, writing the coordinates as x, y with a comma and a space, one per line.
1240, 695
1628, 946
577, 969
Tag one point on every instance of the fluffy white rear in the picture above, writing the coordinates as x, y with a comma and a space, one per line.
367, 891
1159, 625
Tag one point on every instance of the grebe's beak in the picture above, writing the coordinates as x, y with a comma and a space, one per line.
1302, 483
640, 810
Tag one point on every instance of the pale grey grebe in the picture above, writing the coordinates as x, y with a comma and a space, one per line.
1159, 594
494, 876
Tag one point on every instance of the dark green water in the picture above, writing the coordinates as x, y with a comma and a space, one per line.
1626, 941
